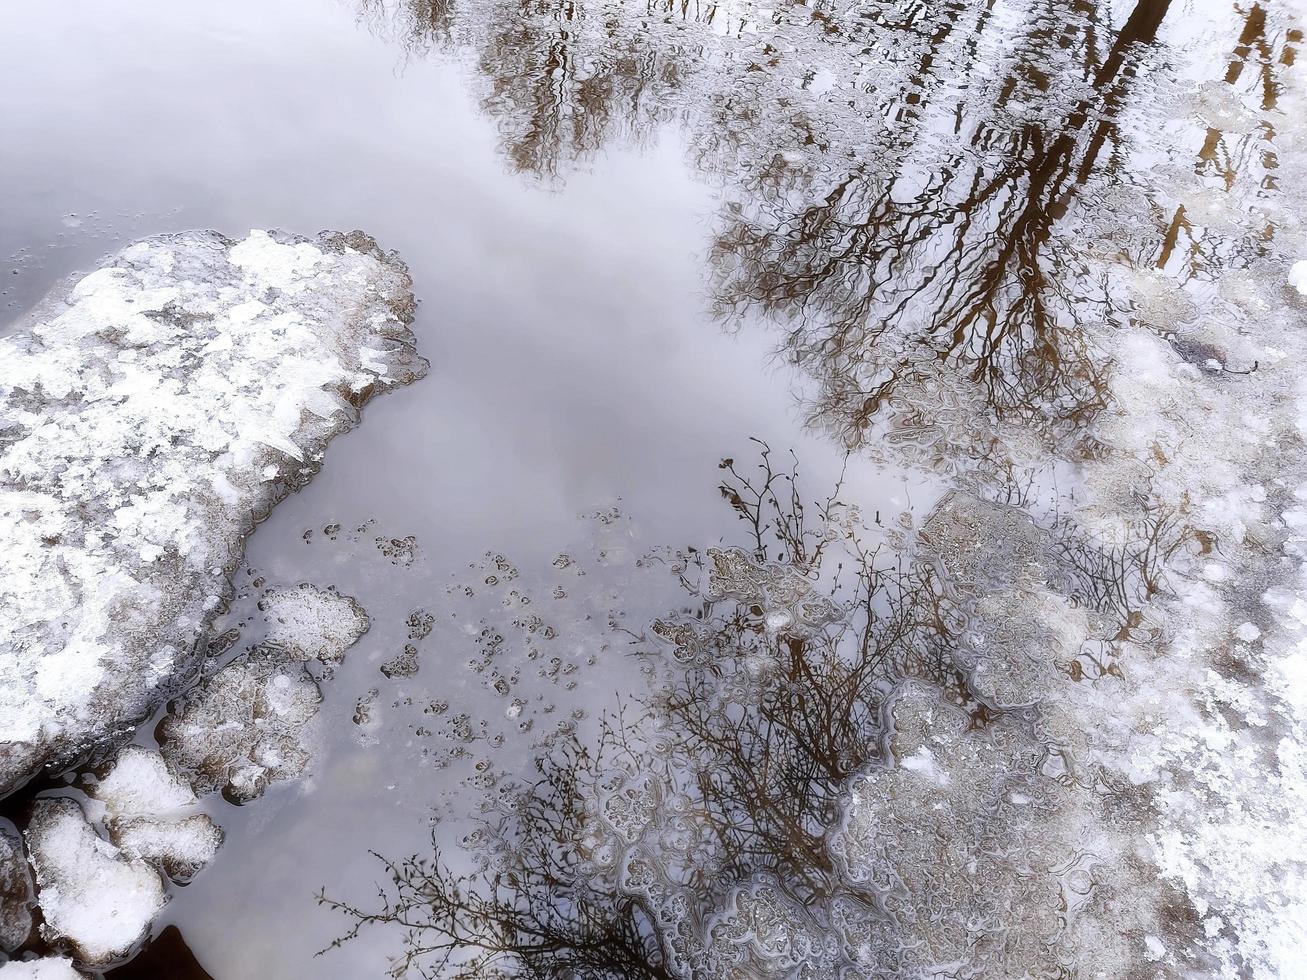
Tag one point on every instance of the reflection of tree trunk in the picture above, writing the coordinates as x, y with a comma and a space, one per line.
969, 266
1140, 28
1226, 155
1253, 37
1046, 200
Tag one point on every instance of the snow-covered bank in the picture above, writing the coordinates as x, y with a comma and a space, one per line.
150, 414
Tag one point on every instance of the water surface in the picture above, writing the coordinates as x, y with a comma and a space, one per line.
643, 235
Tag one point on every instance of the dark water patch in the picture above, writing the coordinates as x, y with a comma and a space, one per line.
167, 957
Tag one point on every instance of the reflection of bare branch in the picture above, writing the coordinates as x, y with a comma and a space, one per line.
780, 517
924, 219
750, 733
908, 264
530, 915
768, 695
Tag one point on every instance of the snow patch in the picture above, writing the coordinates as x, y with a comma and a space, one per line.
151, 815
139, 784
47, 968
1298, 277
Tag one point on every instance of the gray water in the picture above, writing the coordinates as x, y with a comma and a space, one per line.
574, 365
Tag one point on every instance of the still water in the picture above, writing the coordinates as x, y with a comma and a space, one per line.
643, 235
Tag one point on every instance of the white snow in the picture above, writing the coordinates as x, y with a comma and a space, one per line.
922, 762
46, 968
140, 784
91, 894
181, 847
140, 417
152, 814
1298, 277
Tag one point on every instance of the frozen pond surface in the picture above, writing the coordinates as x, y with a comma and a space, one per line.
644, 236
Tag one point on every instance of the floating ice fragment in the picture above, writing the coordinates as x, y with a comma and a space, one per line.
140, 783
179, 847
246, 726
151, 815
139, 409
317, 623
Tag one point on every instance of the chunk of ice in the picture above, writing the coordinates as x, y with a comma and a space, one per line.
91, 894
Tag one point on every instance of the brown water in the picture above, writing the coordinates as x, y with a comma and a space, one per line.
643, 234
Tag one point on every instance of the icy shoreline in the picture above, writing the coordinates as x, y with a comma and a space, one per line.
150, 414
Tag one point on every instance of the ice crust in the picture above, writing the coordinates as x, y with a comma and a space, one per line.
15, 891
249, 724
245, 727
150, 413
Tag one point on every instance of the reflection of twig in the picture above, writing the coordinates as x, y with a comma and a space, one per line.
759, 506
1122, 579
756, 731
529, 914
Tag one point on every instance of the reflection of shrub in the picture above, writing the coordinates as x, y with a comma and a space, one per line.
763, 702
529, 912
700, 833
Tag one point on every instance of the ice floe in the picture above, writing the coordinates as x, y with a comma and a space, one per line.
245, 726
150, 814
150, 413
315, 623
248, 725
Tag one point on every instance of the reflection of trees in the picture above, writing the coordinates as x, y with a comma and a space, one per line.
563, 78
958, 251
695, 834
922, 193
904, 178
1237, 146
566, 78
